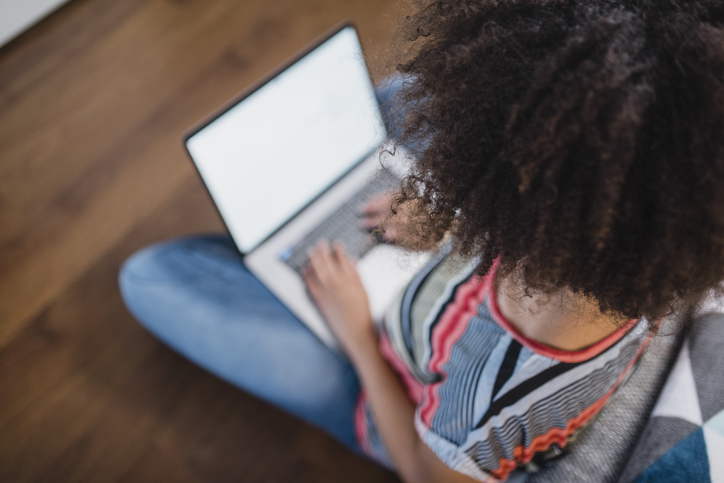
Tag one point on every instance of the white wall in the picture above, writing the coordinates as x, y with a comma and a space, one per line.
19, 15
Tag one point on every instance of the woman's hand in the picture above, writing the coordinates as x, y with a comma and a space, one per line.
403, 228
336, 288
375, 211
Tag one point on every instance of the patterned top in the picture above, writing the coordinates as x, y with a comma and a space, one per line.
488, 398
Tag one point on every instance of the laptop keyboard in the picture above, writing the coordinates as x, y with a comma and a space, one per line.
344, 225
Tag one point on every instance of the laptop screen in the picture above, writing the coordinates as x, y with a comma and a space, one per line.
280, 147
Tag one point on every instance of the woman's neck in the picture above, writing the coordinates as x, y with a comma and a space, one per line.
563, 320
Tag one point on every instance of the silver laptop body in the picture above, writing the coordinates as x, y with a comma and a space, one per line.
291, 160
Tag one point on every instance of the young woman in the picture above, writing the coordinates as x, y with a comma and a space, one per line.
570, 172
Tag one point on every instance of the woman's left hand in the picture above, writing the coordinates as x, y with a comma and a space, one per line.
336, 288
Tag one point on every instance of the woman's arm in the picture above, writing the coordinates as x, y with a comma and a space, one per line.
333, 282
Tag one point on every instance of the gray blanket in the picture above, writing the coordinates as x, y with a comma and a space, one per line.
602, 450
684, 437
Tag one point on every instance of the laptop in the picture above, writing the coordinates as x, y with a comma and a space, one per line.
292, 159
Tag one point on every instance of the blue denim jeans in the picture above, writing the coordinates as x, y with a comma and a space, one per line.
196, 296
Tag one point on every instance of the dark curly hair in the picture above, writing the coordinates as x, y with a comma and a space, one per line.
580, 142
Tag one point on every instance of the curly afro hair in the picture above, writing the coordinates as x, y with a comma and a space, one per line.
581, 143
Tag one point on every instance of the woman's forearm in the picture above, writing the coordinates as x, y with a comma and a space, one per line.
395, 414
393, 410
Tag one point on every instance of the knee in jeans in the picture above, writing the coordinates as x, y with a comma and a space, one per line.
177, 260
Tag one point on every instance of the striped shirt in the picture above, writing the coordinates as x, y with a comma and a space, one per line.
488, 398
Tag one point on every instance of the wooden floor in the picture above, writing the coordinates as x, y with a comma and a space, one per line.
93, 102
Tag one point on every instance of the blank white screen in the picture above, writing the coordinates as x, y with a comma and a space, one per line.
276, 150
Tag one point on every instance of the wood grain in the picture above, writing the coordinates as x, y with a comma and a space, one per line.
93, 102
